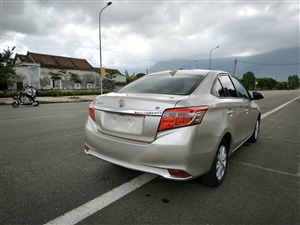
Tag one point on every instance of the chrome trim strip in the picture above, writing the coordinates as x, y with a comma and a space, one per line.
129, 111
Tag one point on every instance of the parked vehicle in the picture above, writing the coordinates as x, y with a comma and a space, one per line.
177, 124
18, 101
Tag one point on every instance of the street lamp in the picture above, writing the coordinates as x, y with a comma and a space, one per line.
108, 4
210, 56
197, 63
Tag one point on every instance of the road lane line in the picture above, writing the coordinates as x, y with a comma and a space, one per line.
276, 109
93, 206
73, 134
264, 168
280, 139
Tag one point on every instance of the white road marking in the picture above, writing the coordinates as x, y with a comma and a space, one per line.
264, 168
276, 109
93, 206
73, 134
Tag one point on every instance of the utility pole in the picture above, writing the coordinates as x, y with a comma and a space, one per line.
101, 74
235, 62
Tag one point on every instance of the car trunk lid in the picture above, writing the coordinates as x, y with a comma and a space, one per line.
132, 116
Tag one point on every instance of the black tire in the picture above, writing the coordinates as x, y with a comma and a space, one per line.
15, 105
218, 169
255, 134
36, 103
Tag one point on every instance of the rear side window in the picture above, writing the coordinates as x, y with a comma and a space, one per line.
217, 89
241, 90
164, 84
229, 89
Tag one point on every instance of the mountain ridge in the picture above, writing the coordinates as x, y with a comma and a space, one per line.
278, 64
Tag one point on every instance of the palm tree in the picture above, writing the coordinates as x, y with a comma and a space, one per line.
110, 79
129, 78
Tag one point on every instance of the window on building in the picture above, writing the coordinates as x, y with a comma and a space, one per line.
89, 85
56, 83
77, 85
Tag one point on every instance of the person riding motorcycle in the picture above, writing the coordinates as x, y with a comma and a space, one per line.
31, 93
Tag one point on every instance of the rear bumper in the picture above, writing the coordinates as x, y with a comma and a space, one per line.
182, 149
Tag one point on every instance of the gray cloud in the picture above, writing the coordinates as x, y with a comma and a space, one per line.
136, 34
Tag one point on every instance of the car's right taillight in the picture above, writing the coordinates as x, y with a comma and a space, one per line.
92, 110
180, 117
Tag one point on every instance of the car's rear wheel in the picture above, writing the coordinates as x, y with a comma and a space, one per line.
217, 172
255, 134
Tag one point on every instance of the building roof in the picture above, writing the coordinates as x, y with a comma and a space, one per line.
53, 61
114, 71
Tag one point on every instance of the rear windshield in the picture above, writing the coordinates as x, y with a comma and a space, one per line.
164, 84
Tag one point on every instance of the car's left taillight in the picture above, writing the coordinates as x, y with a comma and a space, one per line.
92, 110
180, 117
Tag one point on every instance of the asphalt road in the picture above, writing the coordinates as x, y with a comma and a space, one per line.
45, 174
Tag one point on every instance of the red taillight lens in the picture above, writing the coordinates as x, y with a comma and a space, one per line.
92, 110
179, 117
178, 173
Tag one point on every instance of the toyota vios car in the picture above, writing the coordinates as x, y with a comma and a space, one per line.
177, 124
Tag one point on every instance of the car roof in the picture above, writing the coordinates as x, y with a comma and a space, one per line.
200, 72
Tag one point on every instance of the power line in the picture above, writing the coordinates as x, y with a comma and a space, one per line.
224, 65
270, 64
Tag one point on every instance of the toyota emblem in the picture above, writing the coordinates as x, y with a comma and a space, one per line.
121, 103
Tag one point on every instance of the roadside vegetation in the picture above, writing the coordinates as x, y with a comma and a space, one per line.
8, 77
7, 72
253, 83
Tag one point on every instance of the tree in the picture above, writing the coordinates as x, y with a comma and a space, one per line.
281, 85
271, 83
261, 83
139, 75
293, 82
268, 83
248, 80
57, 76
129, 78
75, 79
110, 80
7, 72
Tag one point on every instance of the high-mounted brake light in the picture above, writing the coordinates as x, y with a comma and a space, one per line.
92, 110
179, 117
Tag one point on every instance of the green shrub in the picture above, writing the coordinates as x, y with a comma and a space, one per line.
53, 93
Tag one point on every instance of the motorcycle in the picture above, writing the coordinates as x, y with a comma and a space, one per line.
18, 101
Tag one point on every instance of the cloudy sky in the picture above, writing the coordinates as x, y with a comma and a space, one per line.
136, 34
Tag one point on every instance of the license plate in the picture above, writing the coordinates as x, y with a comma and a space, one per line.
122, 123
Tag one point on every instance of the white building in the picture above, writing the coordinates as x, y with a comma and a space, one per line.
35, 69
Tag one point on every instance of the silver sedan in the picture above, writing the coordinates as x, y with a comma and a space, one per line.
177, 124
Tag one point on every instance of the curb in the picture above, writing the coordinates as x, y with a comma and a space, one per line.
52, 101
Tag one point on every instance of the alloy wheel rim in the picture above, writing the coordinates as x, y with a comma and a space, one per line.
221, 162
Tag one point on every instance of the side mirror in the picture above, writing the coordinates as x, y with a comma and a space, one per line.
257, 95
